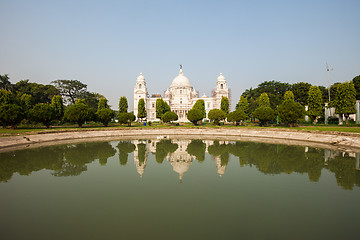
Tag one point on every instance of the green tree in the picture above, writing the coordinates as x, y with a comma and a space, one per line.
10, 114
264, 100
71, 90
105, 115
315, 103
300, 91
126, 118
78, 112
123, 105
194, 116
216, 115
289, 96
103, 103
197, 112
275, 91
264, 114
169, 117
333, 94
58, 106
290, 111
141, 109
325, 94
42, 113
161, 108
26, 103
40, 93
225, 105
243, 105
356, 81
236, 116
6, 97
345, 99
5, 82
199, 105
92, 100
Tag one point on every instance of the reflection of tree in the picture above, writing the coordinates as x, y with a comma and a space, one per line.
241, 150
141, 153
314, 163
345, 173
81, 154
69, 169
197, 148
264, 157
125, 147
27, 161
71, 160
163, 148
220, 150
105, 151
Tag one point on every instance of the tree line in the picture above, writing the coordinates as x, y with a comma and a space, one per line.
64, 101
69, 101
342, 97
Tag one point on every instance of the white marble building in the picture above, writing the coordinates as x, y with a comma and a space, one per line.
180, 96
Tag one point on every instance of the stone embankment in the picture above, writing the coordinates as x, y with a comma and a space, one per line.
279, 136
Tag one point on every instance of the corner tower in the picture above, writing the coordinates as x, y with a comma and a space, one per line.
221, 90
140, 91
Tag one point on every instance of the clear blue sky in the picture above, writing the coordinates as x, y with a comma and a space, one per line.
106, 44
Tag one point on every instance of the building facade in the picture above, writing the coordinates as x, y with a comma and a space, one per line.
180, 96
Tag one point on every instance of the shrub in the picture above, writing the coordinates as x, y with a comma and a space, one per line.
105, 115
43, 113
126, 118
216, 115
290, 111
236, 116
195, 115
10, 114
169, 117
78, 112
264, 114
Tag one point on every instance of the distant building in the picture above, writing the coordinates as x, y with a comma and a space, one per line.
180, 96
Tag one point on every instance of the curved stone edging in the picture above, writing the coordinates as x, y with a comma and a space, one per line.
334, 139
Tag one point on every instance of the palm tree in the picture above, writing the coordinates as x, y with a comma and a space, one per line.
5, 83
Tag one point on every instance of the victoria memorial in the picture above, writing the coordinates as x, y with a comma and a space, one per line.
180, 96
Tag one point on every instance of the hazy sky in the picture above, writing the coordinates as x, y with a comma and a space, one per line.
106, 44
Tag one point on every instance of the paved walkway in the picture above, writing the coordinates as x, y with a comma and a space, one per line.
280, 136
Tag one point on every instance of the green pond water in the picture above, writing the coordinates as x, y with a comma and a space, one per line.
179, 189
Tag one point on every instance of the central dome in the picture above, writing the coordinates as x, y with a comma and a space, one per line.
181, 81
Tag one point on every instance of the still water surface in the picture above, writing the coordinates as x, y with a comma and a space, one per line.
179, 189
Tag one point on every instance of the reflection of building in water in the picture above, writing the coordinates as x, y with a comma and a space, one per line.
140, 156
220, 168
180, 160
175, 152
330, 154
